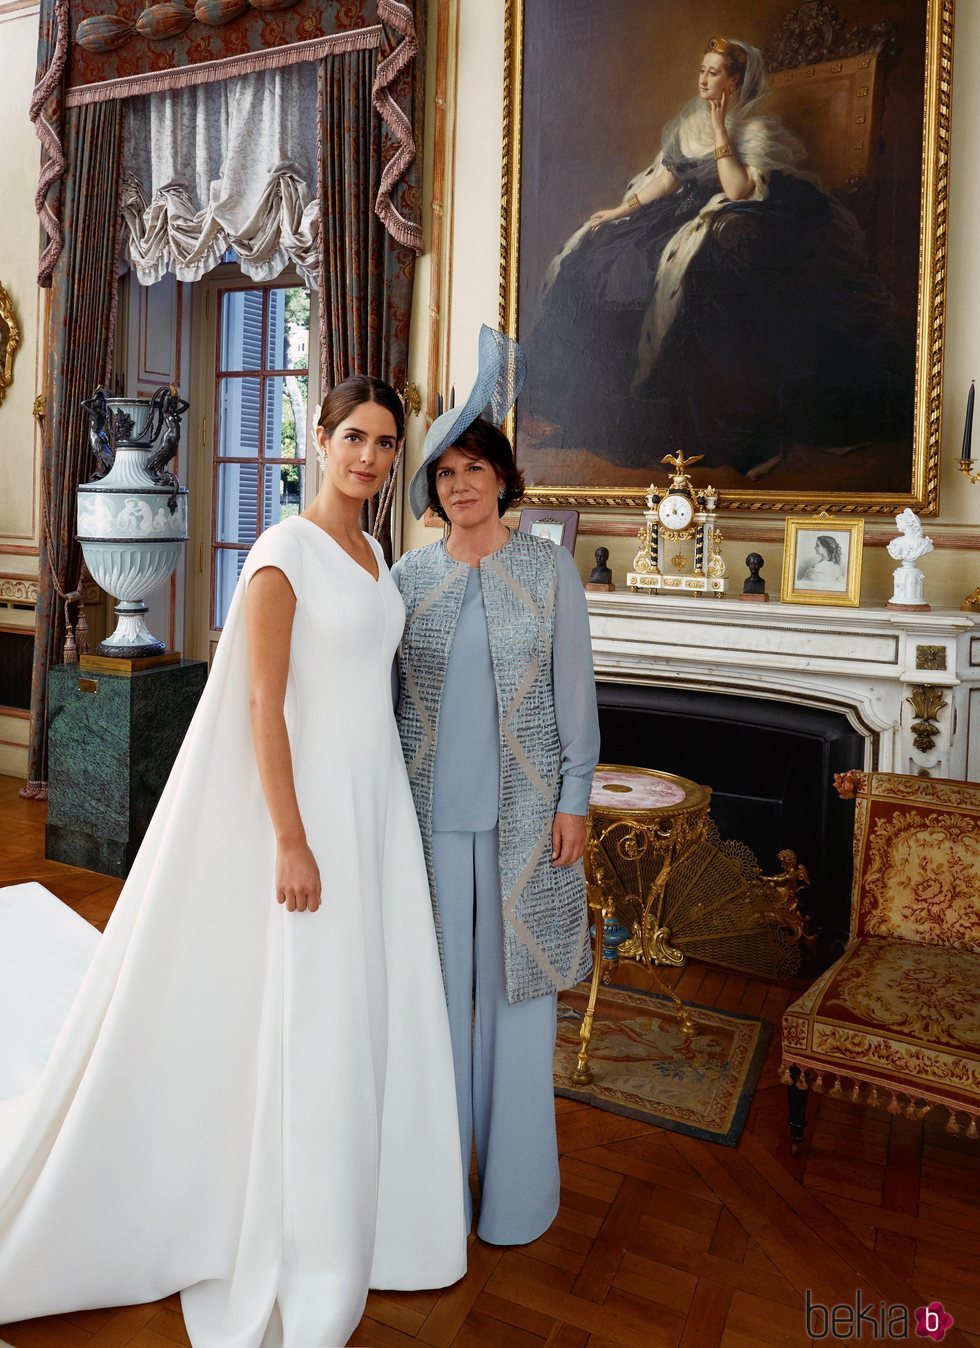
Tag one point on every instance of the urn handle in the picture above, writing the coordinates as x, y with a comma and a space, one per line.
170, 407
100, 431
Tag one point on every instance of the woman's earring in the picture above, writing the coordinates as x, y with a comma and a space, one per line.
321, 458
501, 494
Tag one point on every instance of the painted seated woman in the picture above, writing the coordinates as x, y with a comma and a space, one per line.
726, 302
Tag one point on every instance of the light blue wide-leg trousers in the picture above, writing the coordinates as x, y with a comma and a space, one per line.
502, 1054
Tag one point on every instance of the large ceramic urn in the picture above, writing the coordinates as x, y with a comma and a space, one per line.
132, 516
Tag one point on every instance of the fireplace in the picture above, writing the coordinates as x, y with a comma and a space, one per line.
770, 766
16, 656
764, 702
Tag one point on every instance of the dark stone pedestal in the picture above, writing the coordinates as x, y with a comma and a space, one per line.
112, 742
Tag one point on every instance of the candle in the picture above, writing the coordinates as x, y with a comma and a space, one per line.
965, 453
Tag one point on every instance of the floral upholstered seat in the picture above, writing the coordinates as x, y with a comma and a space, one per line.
896, 1021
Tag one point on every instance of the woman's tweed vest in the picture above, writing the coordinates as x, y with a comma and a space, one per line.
544, 915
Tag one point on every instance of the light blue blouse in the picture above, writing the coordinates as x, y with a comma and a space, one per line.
467, 768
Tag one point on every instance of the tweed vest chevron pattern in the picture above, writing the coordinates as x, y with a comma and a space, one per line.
544, 915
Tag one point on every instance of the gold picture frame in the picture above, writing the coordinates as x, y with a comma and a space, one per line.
822, 558
9, 341
926, 165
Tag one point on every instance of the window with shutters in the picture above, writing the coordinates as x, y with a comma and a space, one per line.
260, 424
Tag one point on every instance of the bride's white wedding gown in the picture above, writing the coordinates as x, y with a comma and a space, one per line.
254, 1106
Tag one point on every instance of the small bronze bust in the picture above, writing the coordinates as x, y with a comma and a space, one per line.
754, 587
600, 577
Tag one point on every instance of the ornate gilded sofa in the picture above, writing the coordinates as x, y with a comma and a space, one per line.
896, 1021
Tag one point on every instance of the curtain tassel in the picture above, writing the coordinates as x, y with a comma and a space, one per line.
69, 653
81, 630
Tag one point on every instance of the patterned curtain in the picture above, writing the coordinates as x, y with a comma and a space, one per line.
47, 113
80, 338
368, 266
369, 89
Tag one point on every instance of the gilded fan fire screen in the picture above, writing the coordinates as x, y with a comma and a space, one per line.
663, 887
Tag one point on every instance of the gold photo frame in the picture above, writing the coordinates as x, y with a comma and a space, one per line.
9, 341
822, 558
890, 72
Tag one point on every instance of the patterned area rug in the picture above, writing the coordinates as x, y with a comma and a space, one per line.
643, 1066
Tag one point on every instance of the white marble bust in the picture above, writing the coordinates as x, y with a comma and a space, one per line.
910, 545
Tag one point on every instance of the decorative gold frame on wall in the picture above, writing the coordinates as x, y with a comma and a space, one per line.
9, 341
930, 325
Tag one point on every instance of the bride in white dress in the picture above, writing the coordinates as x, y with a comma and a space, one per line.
247, 1100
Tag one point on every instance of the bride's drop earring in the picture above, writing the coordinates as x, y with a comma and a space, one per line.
321, 458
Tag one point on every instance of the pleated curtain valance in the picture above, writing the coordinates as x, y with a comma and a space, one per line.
218, 166
92, 51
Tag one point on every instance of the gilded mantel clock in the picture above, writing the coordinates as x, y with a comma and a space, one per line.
672, 519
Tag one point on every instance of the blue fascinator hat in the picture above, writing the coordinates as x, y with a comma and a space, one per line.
500, 375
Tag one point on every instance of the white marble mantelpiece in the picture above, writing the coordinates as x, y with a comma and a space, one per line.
864, 662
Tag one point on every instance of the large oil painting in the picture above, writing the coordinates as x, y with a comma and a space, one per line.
724, 233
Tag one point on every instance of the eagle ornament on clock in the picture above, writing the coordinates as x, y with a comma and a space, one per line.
677, 516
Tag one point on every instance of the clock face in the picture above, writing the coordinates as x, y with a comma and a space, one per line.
675, 512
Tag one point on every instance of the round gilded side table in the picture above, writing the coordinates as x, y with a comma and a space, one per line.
640, 823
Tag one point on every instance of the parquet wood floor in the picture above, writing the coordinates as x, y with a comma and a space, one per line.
662, 1241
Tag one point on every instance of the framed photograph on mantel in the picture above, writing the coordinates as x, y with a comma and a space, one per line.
560, 526
724, 229
822, 561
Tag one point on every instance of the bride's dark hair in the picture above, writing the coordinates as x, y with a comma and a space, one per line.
352, 392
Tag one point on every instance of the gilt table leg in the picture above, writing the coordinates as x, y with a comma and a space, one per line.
582, 1076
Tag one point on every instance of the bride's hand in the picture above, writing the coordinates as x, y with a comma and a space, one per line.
603, 218
297, 878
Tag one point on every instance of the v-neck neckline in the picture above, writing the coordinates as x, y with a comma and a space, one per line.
375, 580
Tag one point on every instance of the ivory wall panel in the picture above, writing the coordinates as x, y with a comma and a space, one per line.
19, 164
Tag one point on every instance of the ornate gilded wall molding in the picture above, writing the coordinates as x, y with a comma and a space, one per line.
930, 657
18, 590
9, 341
25, 589
927, 701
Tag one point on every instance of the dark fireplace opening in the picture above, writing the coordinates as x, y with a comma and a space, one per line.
770, 766
16, 656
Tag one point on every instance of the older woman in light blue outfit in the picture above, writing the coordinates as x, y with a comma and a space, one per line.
497, 715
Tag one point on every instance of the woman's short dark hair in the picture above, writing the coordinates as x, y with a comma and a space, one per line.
481, 440
352, 392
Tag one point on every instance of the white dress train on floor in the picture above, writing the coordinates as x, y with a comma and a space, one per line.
253, 1106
